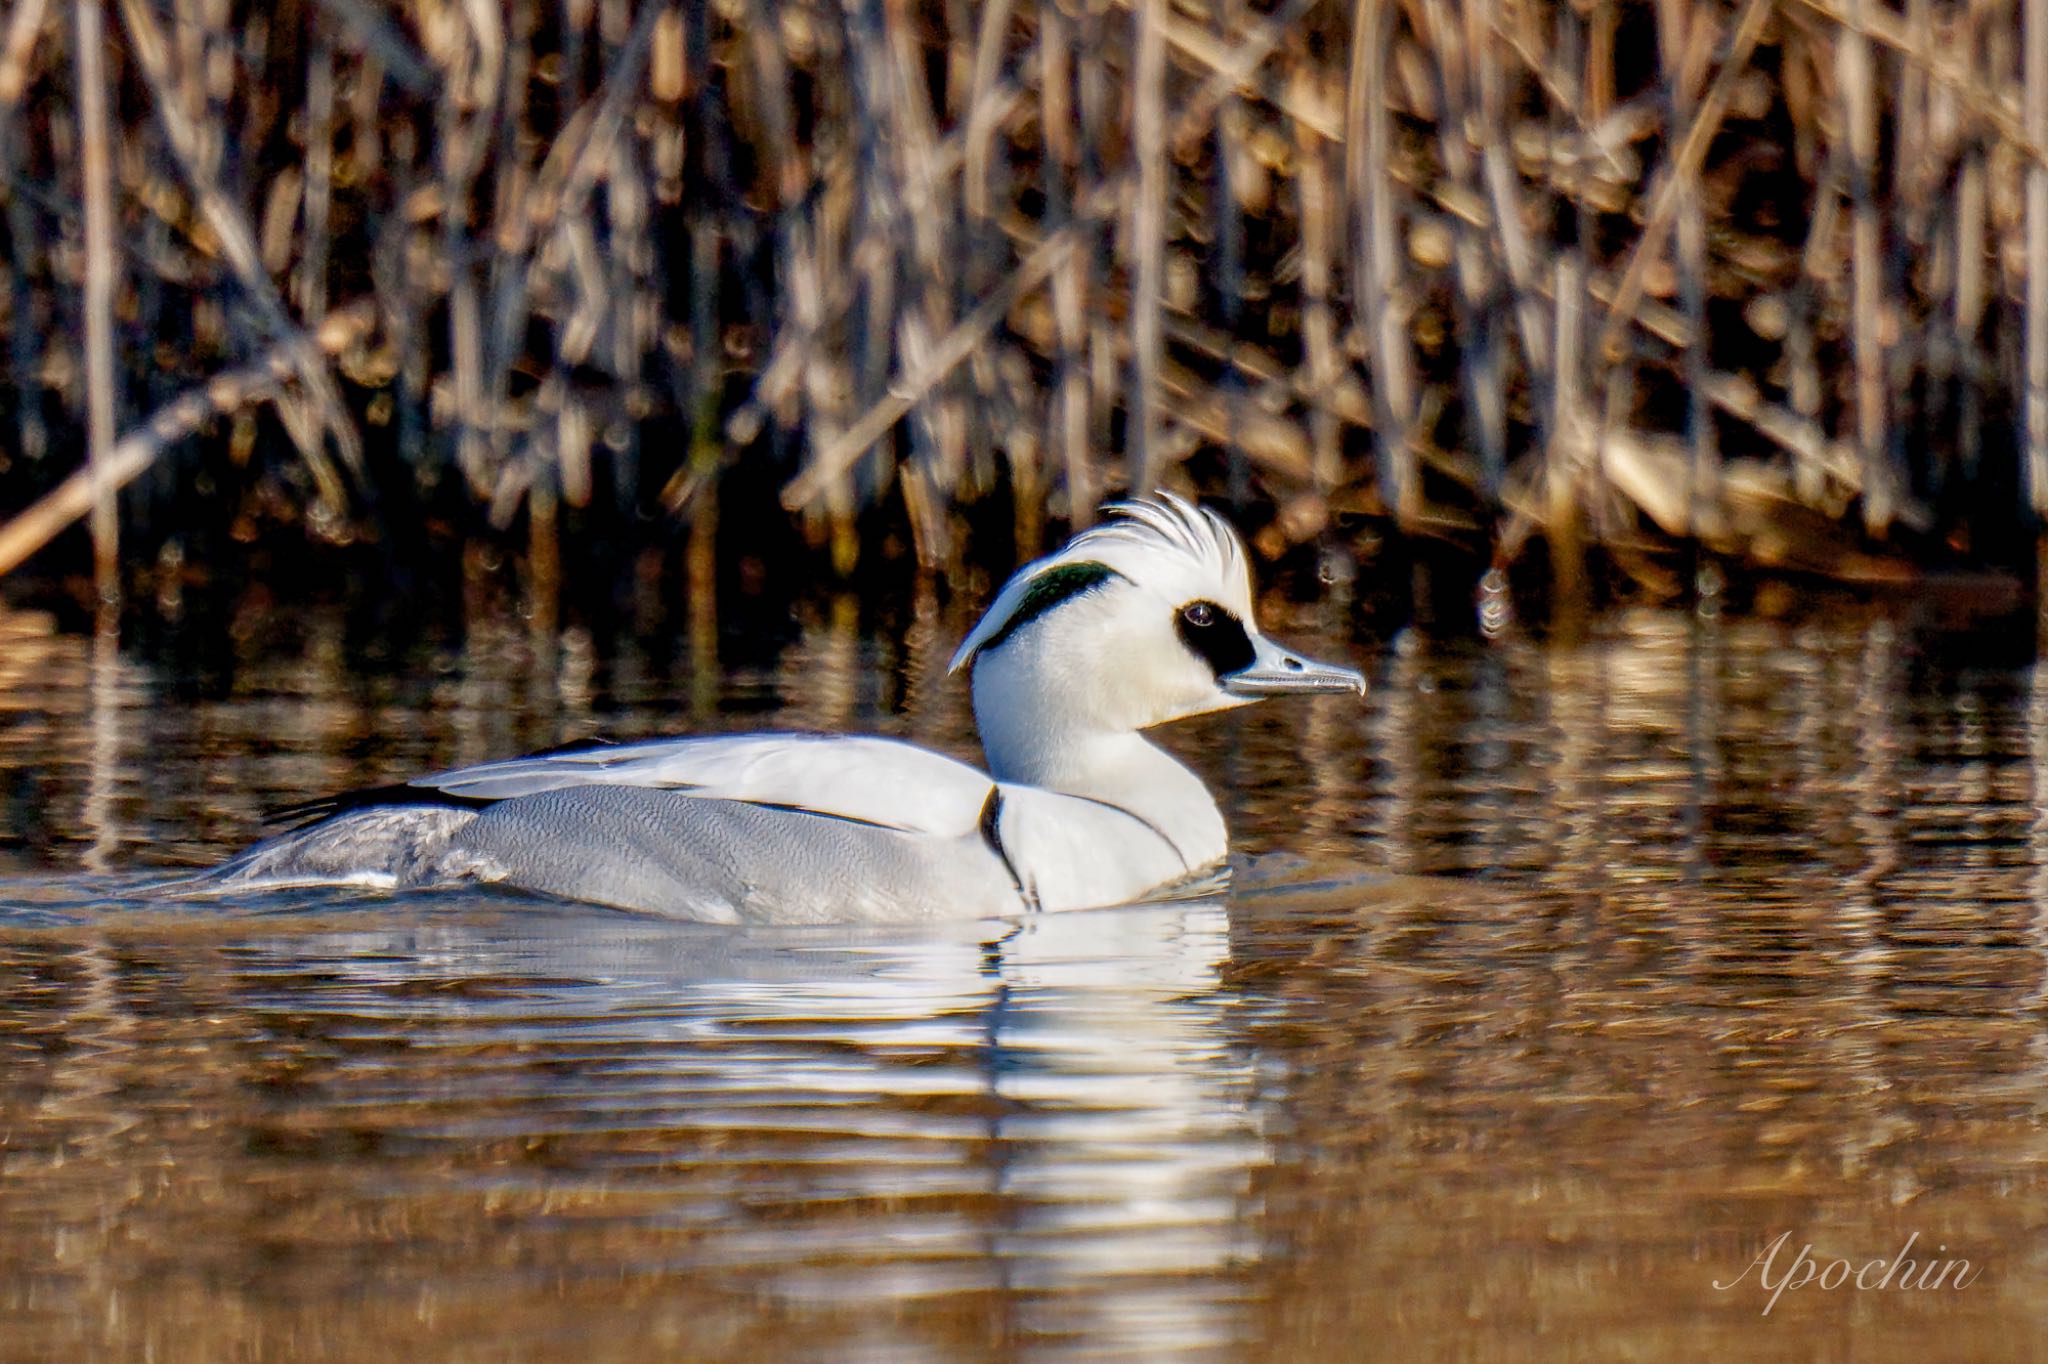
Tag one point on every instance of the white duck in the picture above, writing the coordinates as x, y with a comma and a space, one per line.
1140, 620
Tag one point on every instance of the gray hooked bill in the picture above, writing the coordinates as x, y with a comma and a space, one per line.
1275, 671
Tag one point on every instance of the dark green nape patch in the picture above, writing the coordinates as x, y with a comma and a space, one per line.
1048, 590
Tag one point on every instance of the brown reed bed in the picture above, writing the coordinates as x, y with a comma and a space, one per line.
1765, 280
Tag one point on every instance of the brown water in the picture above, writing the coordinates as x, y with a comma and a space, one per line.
1608, 965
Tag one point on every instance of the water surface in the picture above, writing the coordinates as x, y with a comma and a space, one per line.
1561, 980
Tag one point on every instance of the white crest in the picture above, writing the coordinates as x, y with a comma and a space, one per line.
1163, 541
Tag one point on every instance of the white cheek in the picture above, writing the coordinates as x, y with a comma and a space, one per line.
1155, 679
1193, 685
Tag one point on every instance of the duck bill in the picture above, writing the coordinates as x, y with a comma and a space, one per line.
1275, 671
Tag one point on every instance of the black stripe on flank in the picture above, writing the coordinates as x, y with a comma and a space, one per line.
1216, 636
1050, 589
405, 793
400, 794
992, 834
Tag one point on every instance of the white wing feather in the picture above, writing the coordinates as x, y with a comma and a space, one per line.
881, 781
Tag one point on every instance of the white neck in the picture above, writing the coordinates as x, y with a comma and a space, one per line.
1068, 750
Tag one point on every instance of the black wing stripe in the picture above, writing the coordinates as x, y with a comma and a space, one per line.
574, 746
364, 798
403, 793
306, 812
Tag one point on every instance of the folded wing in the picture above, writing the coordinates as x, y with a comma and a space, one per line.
876, 781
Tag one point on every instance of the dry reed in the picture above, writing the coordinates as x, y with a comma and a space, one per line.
1768, 279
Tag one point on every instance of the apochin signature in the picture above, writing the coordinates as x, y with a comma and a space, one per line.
1873, 1276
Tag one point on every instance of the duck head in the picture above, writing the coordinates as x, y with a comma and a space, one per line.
1140, 620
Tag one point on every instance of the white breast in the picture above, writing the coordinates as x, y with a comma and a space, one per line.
1069, 852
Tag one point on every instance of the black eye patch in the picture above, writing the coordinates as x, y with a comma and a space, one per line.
1216, 636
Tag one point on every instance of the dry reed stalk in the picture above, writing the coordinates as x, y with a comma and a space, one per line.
96, 166
25, 333
700, 597
1272, 445
833, 460
543, 561
834, 454
311, 293
1686, 35
502, 290
548, 257
1503, 190
1147, 242
196, 157
1321, 231
465, 303
1857, 77
194, 35
1603, 26
778, 380
1800, 436
1233, 65
843, 213
1276, 383
1006, 423
1574, 443
800, 263
1993, 106
384, 44
1368, 129
1802, 344
1094, 104
2034, 94
1916, 161
1692, 151
472, 48
1232, 182
983, 109
24, 22
1070, 278
1925, 154
1468, 67
877, 255
128, 457
1970, 302
940, 426
700, 402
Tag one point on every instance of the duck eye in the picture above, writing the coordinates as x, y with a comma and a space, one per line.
1215, 635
